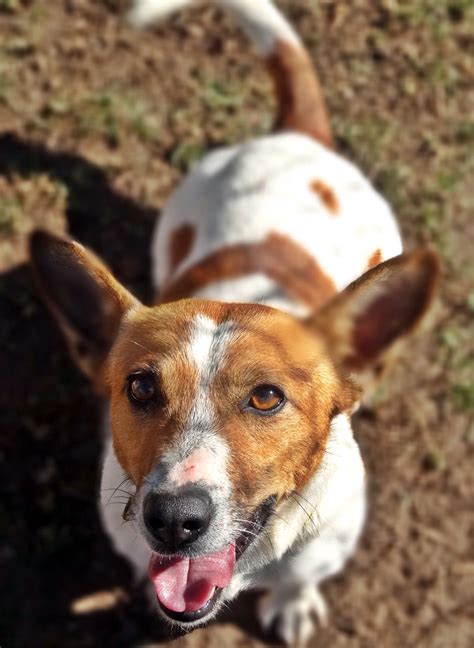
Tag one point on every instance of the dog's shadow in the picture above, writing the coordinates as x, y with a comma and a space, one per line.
62, 583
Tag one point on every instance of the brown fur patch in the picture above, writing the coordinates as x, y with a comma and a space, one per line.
375, 259
326, 194
280, 258
180, 245
300, 101
152, 338
260, 466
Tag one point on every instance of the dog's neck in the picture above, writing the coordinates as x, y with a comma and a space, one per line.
276, 272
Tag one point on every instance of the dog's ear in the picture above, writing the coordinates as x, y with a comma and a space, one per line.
365, 320
85, 299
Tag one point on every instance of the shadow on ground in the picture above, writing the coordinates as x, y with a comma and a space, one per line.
56, 550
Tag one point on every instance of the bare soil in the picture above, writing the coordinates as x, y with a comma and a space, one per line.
97, 125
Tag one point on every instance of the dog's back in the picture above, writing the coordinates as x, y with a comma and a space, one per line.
282, 220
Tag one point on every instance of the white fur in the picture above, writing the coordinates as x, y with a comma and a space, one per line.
255, 287
324, 520
144, 12
323, 527
293, 612
244, 193
206, 351
126, 539
262, 23
259, 19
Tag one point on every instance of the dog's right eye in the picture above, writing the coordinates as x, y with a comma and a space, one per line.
141, 388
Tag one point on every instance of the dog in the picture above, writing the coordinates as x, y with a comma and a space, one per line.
280, 282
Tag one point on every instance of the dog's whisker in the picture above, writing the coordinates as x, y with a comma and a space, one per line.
141, 345
247, 532
314, 510
303, 497
124, 481
308, 515
120, 490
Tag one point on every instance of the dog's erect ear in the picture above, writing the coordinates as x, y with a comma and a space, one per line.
86, 300
379, 308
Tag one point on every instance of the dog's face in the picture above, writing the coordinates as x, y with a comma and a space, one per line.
220, 412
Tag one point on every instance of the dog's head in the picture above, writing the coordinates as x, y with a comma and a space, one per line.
220, 412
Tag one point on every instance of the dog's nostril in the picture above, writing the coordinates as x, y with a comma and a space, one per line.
192, 525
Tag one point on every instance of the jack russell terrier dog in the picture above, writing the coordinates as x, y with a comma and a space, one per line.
280, 279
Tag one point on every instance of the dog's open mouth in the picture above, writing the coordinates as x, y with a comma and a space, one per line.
188, 589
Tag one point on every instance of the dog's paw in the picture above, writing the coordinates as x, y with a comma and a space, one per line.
293, 613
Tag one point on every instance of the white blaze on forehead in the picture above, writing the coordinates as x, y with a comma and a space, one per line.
207, 348
202, 454
206, 351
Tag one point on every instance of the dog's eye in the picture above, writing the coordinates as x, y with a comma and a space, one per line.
266, 398
141, 388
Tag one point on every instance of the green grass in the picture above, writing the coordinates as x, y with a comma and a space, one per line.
11, 214
3, 88
9, 5
111, 114
463, 394
185, 154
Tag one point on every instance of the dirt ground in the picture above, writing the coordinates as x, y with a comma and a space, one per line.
97, 125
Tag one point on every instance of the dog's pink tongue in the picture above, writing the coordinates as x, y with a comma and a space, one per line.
186, 584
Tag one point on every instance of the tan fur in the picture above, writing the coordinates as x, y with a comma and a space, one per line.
181, 243
374, 259
278, 454
300, 100
280, 258
326, 194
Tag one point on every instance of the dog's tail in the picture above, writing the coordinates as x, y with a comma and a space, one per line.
301, 105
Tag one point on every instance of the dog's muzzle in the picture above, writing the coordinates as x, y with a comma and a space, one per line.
188, 588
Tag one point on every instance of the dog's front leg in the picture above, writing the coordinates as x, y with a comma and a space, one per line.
293, 601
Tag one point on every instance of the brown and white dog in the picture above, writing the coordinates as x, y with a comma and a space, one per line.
279, 278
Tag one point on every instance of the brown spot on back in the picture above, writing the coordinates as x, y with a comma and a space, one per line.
326, 194
181, 242
300, 101
375, 259
280, 258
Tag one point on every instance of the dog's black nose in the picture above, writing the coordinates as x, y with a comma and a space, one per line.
177, 520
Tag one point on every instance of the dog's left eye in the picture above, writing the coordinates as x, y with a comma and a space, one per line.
266, 398
141, 388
